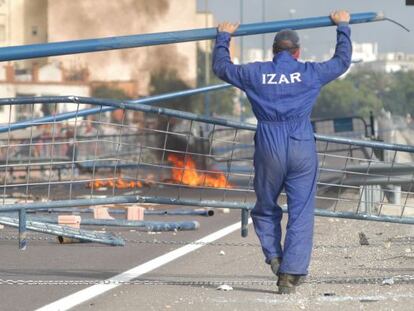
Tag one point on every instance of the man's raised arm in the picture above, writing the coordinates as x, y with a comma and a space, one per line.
223, 67
340, 62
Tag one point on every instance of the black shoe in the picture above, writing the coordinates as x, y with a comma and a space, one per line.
287, 283
275, 265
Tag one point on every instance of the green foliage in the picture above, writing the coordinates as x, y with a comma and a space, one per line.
365, 91
399, 97
109, 92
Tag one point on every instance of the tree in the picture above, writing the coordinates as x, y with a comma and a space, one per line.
109, 92
344, 98
364, 91
399, 96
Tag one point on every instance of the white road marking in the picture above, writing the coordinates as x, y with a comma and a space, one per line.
91, 292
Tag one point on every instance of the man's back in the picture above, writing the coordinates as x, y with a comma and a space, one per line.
283, 88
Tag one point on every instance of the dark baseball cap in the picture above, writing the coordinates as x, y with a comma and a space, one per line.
286, 39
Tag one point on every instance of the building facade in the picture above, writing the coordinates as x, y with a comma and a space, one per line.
24, 22
83, 19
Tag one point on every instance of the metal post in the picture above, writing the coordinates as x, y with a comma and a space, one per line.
264, 36
207, 67
244, 222
22, 229
372, 123
241, 60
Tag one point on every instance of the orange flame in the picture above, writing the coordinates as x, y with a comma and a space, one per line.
185, 172
119, 184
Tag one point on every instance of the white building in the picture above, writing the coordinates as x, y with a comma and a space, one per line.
366, 57
364, 52
25, 22
392, 62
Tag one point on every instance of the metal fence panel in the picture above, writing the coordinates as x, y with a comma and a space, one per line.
176, 157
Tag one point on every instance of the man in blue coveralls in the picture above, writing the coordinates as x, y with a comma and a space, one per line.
282, 93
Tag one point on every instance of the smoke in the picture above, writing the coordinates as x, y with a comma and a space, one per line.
83, 19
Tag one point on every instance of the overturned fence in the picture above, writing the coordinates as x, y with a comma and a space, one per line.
179, 158
155, 155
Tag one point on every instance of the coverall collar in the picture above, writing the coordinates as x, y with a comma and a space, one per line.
283, 56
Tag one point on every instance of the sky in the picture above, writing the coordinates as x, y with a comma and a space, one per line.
318, 42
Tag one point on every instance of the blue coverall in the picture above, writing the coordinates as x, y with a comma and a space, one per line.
282, 93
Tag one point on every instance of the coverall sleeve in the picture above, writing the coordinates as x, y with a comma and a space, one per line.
340, 62
223, 67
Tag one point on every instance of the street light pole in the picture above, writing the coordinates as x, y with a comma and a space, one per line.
241, 59
206, 64
264, 36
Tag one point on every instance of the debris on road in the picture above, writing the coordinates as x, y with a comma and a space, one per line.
389, 281
225, 288
329, 294
363, 240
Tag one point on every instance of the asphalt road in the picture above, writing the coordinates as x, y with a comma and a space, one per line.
344, 274
48, 260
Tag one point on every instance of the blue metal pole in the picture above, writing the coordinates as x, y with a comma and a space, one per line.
188, 202
22, 229
241, 94
69, 203
183, 212
148, 225
123, 42
136, 105
175, 212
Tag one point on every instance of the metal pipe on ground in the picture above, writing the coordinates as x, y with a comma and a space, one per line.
183, 212
175, 212
64, 231
140, 40
189, 202
147, 225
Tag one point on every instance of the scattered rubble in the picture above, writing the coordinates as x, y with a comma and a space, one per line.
224, 287
389, 281
363, 240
